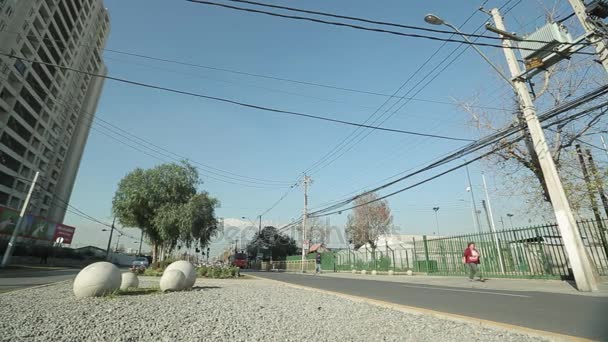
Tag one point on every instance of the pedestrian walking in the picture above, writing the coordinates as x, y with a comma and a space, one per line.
318, 262
471, 258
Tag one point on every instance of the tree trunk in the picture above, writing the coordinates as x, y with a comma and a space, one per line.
154, 252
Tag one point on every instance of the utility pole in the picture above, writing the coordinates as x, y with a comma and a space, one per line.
307, 180
436, 209
592, 29
11, 244
591, 193
475, 212
110, 239
117, 241
585, 273
598, 180
491, 222
257, 253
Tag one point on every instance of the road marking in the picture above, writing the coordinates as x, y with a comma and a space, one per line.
439, 314
472, 291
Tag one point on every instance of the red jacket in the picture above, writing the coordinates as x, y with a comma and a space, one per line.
471, 256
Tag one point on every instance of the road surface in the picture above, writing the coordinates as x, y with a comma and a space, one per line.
575, 315
14, 279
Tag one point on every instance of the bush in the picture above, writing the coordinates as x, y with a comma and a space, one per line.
152, 272
202, 271
218, 272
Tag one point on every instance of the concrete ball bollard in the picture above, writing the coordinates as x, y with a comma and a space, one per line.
172, 280
354, 272
391, 272
374, 272
409, 272
363, 272
129, 280
187, 269
97, 279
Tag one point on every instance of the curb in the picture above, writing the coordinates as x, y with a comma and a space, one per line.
35, 287
439, 314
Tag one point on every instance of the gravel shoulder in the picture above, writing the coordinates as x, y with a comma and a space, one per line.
221, 310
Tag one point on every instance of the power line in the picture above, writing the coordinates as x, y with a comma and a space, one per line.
344, 151
358, 27
238, 103
202, 167
369, 21
488, 140
244, 73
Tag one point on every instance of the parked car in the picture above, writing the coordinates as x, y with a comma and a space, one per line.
140, 261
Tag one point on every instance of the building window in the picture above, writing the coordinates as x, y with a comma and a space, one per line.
14, 203
18, 128
3, 198
9, 162
36, 144
6, 180
12, 144
25, 172
20, 186
25, 114
20, 66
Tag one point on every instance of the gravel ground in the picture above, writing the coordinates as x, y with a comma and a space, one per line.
220, 310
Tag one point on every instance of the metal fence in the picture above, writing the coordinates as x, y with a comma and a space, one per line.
532, 252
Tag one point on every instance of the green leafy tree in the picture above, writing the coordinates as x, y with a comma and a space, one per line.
164, 203
272, 243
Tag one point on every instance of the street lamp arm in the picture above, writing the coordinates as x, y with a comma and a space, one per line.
504, 77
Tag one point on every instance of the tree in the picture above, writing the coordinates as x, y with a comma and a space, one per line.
368, 221
517, 165
317, 230
272, 243
164, 203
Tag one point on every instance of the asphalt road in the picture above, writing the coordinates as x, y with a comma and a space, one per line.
14, 279
582, 316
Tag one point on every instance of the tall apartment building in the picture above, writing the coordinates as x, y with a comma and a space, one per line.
46, 111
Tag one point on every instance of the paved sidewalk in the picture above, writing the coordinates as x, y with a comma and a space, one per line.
535, 285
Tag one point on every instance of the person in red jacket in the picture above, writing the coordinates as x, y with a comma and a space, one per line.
471, 258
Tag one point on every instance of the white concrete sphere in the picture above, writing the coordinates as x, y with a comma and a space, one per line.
354, 271
363, 272
374, 272
129, 280
96, 280
187, 269
172, 280
391, 272
409, 272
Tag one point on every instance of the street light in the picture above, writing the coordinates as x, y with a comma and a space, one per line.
436, 209
435, 20
510, 216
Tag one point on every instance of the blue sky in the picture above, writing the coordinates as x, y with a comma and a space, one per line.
278, 147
